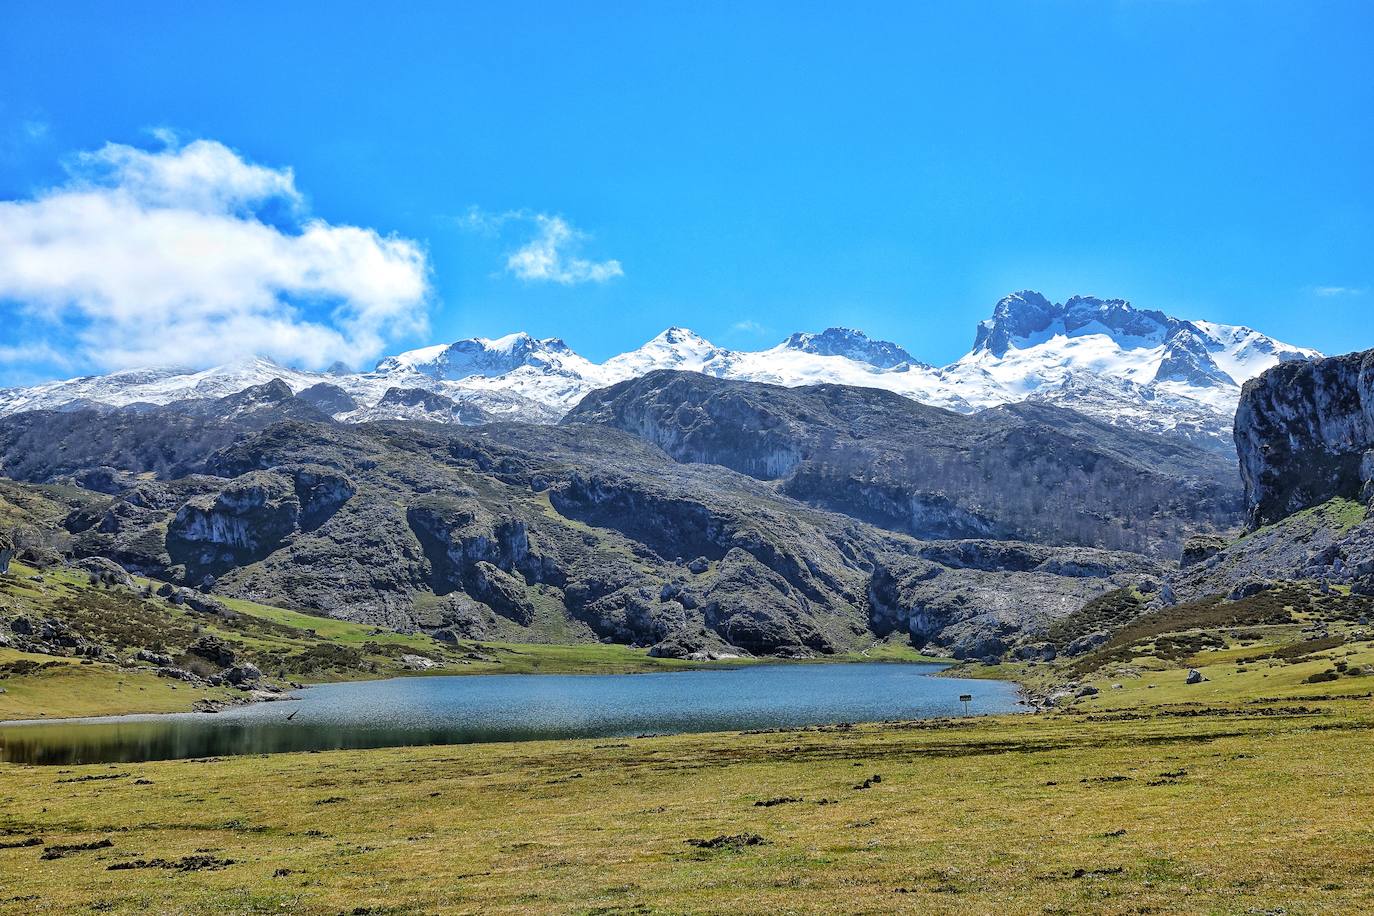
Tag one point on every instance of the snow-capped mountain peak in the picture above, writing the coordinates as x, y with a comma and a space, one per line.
1103, 357
479, 356
1027, 319
851, 344
675, 348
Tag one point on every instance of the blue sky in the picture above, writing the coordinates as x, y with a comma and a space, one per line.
600, 171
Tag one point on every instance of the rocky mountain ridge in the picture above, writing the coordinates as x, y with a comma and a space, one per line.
1103, 357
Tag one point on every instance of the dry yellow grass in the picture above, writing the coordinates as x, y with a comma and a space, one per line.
1248, 808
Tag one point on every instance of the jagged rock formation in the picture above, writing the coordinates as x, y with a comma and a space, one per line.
1305, 434
1305, 439
249, 517
854, 345
1028, 471
6, 552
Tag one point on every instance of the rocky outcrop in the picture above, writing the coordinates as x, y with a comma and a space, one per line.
1305, 439
7, 552
975, 599
422, 404
1305, 433
253, 515
104, 571
1200, 549
240, 524
327, 398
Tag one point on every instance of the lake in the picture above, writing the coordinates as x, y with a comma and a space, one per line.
524, 707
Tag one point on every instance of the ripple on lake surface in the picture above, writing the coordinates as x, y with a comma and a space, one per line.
462, 710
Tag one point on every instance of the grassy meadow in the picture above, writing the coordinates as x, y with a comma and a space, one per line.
1250, 792
1257, 806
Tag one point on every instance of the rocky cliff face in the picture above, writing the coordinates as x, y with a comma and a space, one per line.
1304, 434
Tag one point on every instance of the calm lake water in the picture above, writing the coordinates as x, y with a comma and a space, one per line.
462, 710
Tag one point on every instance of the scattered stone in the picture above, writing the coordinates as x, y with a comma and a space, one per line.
780, 800
58, 852
733, 841
185, 863
1195, 677
160, 659
869, 783
1087, 690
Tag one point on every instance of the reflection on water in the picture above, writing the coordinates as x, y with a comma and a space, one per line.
460, 710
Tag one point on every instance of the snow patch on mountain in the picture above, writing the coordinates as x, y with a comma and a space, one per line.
1103, 357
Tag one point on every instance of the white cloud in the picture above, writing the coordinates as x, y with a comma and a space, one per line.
547, 257
550, 256
1329, 291
191, 255
31, 353
749, 326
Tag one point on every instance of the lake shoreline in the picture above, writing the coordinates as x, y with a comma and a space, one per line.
462, 710
227, 700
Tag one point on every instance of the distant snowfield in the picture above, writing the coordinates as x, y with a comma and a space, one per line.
1105, 358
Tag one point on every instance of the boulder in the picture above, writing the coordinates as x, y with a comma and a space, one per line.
1087, 690
418, 662
6, 552
1194, 677
242, 673
160, 659
1200, 548
106, 571
1041, 651
1086, 643
1248, 589
214, 650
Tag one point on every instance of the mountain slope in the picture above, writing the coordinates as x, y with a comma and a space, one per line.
1027, 471
531, 533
